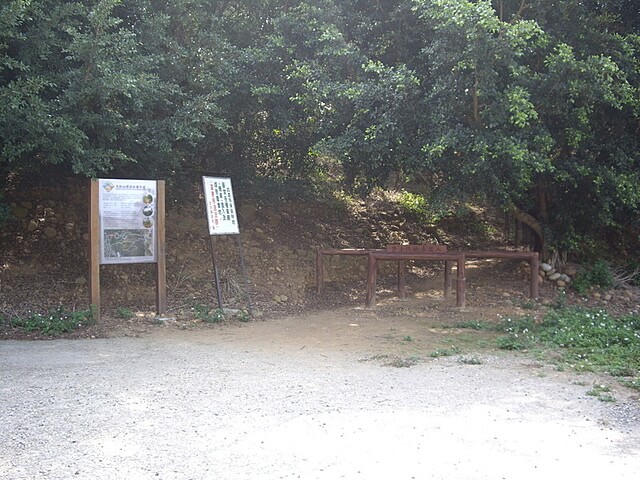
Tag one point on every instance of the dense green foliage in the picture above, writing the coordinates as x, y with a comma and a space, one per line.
526, 105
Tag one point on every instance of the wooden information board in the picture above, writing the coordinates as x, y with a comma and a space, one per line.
127, 225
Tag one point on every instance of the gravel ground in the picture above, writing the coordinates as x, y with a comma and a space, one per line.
234, 403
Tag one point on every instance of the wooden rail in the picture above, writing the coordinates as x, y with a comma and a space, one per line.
322, 252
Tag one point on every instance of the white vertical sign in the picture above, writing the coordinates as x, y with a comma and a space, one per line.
221, 208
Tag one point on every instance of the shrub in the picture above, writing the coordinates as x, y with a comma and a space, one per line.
208, 314
599, 275
5, 211
415, 204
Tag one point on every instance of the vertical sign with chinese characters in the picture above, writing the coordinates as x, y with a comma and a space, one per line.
221, 209
127, 210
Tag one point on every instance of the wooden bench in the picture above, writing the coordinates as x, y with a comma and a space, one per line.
532, 258
399, 253
403, 253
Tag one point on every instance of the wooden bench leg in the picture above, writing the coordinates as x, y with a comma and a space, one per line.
402, 273
319, 272
461, 299
447, 278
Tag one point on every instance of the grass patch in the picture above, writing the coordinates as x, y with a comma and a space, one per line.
588, 340
474, 325
403, 362
470, 361
375, 357
394, 361
123, 312
55, 322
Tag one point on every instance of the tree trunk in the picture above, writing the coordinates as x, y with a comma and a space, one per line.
534, 226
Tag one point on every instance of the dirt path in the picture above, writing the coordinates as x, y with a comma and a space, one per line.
310, 397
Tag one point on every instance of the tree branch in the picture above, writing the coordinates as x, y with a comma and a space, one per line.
516, 16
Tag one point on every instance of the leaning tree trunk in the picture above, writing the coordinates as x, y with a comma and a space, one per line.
534, 226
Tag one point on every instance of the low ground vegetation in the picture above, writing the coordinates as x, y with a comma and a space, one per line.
588, 340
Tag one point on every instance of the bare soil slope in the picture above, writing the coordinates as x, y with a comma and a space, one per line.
270, 267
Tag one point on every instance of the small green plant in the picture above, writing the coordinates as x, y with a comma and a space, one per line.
208, 314
633, 384
445, 352
602, 393
519, 334
561, 299
621, 370
243, 316
55, 322
407, 338
124, 312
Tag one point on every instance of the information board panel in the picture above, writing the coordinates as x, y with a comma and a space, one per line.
221, 209
127, 211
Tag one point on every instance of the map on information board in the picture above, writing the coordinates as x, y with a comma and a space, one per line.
127, 220
221, 209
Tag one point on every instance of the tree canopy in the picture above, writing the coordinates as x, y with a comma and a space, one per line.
529, 106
